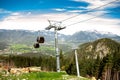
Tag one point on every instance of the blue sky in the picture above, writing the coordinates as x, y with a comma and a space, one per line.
33, 14
21, 5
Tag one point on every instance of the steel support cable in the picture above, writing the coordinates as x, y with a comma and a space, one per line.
88, 11
89, 19
85, 13
85, 20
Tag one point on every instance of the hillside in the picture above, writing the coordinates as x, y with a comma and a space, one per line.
3, 45
100, 58
29, 37
100, 47
22, 40
26, 36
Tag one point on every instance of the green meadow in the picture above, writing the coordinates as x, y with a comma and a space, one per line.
41, 76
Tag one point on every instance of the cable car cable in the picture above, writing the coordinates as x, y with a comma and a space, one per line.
89, 10
84, 20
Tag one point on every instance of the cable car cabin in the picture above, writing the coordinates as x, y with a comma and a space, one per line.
36, 45
40, 39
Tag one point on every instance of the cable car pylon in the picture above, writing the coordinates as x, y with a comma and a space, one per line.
57, 27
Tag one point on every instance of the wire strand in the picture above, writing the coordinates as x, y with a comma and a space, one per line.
89, 19
85, 20
89, 10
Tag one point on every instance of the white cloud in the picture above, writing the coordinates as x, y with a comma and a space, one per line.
16, 14
59, 9
30, 22
96, 3
81, 7
39, 22
99, 23
95, 7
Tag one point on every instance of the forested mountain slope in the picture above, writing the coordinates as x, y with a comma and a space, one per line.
100, 58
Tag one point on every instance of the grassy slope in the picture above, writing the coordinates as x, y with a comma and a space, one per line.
22, 48
42, 76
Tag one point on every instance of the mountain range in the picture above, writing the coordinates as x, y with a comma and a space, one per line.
29, 37
26, 36
87, 36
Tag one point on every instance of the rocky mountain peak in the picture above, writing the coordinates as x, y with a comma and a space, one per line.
100, 47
